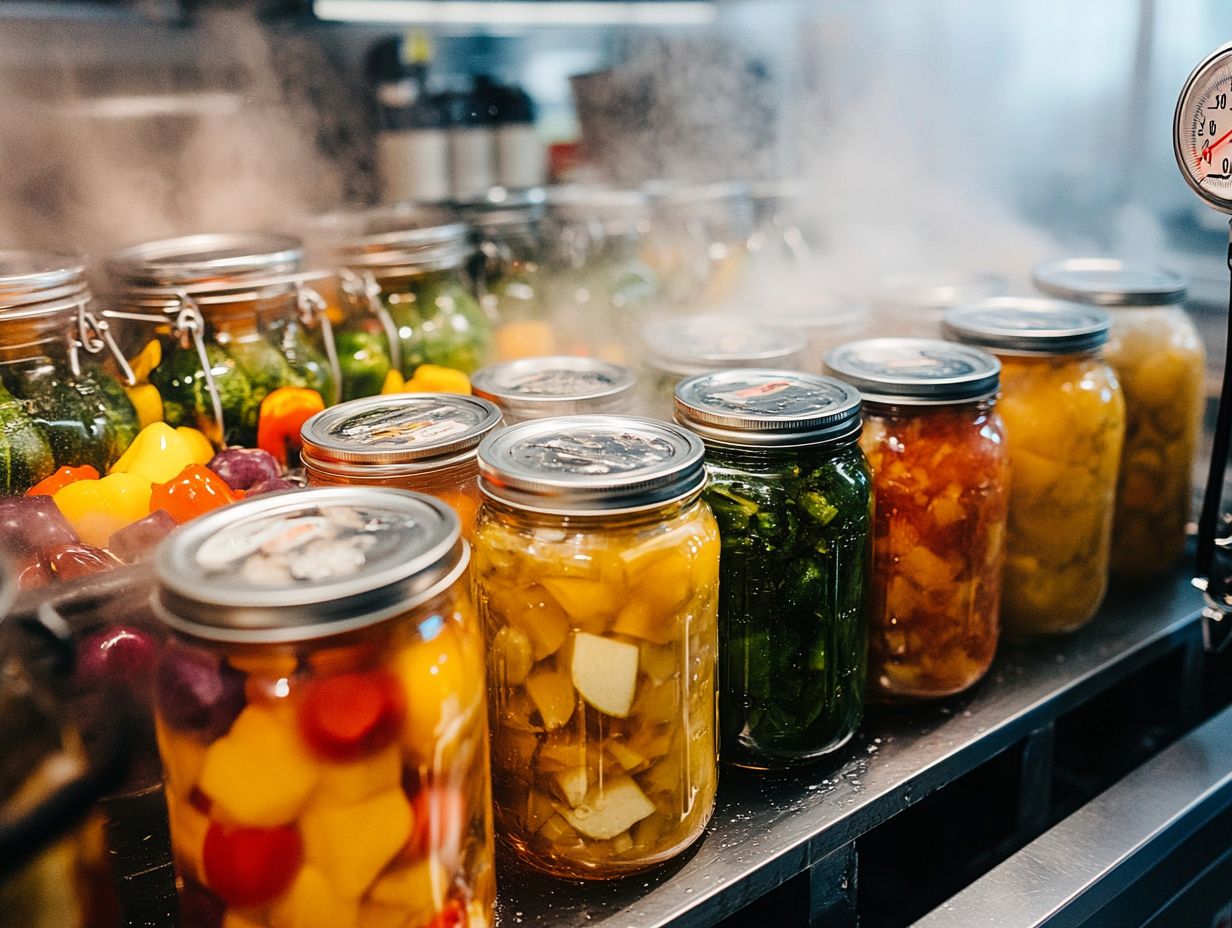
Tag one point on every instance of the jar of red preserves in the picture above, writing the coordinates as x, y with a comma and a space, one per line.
940, 478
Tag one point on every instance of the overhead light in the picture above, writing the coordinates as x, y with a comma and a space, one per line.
520, 12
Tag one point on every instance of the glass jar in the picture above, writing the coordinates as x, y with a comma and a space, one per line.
1160, 362
941, 481
913, 305
678, 348
596, 572
321, 714
412, 441
791, 491
822, 321
699, 241
600, 289
1065, 419
59, 406
784, 235
538, 388
405, 268
511, 274
234, 319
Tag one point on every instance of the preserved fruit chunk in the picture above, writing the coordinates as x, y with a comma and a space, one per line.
605, 673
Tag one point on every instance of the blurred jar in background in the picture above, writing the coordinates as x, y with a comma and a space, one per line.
783, 234
1161, 363
540, 388
1065, 423
914, 305
509, 269
699, 241
600, 288
823, 321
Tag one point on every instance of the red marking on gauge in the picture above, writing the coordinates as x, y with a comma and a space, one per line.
1208, 150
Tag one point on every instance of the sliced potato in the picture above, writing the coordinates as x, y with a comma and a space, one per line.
605, 673
610, 810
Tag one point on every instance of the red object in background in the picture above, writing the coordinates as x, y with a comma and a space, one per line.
62, 478
251, 866
196, 490
352, 715
564, 160
283, 413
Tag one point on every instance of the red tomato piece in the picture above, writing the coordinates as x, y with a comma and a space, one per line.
251, 866
195, 490
62, 478
352, 715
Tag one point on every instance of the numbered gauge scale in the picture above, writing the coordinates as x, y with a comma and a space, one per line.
1202, 143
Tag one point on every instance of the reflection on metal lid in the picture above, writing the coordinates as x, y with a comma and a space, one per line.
537, 387
1029, 324
916, 371
1110, 282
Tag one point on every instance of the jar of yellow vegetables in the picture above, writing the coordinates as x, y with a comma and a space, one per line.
424, 442
1161, 363
596, 573
321, 715
1065, 424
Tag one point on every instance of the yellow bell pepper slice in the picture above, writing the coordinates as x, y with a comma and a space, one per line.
158, 454
432, 378
146, 360
147, 401
198, 444
393, 383
97, 508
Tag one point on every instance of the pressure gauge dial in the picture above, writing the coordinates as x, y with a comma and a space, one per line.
1202, 129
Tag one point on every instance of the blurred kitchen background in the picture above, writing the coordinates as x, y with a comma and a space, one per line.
953, 136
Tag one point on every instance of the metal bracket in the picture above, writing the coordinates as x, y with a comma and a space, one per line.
363, 289
314, 310
190, 325
93, 335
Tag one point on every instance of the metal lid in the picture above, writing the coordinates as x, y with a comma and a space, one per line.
580, 465
1034, 325
814, 314
305, 564
916, 371
936, 291
390, 240
502, 206
554, 386
206, 263
698, 344
425, 429
1109, 282
768, 408
30, 277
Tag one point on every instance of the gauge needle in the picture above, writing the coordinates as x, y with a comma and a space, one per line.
1211, 149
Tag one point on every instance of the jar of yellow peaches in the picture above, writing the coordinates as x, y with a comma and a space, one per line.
537, 388
424, 442
1065, 421
321, 714
940, 483
1160, 361
596, 575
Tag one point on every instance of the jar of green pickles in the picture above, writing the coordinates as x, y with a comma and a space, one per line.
59, 403
538, 388
406, 297
596, 573
234, 318
1160, 361
792, 494
1065, 423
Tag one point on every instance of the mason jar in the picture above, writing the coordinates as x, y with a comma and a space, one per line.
596, 573
412, 441
406, 269
792, 493
674, 349
235, 319
59, 403
913, 305
1160, 362
321, 714
539, 388
511, 271
1065, 418
823, 321
941, 483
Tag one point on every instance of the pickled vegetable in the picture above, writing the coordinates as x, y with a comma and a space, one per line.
792, 600
25, 456
364, 360
602, 649
186, 398
1161, 366
940, 479
1065, 421
439, 322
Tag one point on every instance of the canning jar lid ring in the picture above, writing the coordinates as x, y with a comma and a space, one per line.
916, 371
1110, 282
33, 278
422, 557
710, 342
211, 261
366, 471
749, 407
437, 439
1033, 325
591, 465
503, 383
499, 207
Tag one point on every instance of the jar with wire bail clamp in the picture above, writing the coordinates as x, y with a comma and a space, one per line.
792, 493
321, 714
940, 481
1065, 421
596, 572
59, 403
233, 318
405, 296
1160, 362
538, 388
413, 441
